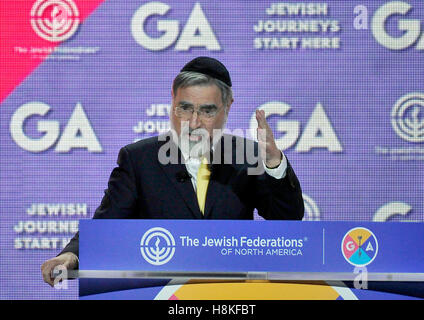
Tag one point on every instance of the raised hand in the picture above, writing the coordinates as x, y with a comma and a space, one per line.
268, 149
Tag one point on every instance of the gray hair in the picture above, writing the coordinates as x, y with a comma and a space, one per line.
189, 78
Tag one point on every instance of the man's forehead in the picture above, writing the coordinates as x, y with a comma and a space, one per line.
211, 89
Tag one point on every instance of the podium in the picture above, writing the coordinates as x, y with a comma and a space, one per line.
238, 260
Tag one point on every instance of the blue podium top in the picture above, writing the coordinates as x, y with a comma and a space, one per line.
251, 246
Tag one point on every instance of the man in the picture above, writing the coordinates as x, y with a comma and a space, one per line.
195, 171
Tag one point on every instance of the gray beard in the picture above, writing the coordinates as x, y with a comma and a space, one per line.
197, 149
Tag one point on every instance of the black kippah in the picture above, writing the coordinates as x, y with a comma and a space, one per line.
210, 67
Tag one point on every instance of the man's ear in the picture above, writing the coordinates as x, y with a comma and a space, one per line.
173, 94
229, 105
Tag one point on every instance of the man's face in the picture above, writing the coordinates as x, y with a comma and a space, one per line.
193, 126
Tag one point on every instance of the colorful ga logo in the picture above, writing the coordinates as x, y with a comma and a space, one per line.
359, 246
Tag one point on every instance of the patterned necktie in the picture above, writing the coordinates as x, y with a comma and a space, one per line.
203, 176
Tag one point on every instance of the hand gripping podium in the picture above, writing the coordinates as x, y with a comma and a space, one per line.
226, 259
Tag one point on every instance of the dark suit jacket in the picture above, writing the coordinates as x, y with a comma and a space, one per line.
143, 188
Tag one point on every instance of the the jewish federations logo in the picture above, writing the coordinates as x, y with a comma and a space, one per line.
359, 246
408, 117
407, 120
157, 246
55, 20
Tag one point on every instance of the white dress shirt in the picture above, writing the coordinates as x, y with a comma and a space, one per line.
193, 164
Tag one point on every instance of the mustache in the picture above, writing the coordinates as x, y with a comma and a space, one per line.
197, 131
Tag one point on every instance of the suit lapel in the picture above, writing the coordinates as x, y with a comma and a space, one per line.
216, 191
220, 174
184, 188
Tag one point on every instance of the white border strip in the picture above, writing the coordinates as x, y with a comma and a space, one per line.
324, 276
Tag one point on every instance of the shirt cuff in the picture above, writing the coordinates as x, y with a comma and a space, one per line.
280, 171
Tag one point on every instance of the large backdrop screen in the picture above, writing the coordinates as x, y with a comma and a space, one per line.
341, 82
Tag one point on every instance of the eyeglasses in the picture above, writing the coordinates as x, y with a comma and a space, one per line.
206, 112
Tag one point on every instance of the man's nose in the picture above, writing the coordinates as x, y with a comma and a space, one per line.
194, 121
